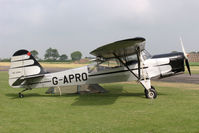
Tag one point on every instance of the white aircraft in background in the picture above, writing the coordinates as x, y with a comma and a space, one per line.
120, 61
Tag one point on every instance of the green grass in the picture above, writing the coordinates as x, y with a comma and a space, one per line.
194, 69
194, 63
123, 109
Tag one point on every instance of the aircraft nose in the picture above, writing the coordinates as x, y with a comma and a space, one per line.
177, 63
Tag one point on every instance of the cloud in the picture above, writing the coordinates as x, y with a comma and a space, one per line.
71, 24
135, 7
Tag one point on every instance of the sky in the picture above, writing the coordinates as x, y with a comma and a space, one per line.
71, 25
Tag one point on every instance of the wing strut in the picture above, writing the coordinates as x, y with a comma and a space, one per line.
138, 57
125, 65
139, 63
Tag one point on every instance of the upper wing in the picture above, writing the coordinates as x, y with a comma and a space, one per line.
120, 48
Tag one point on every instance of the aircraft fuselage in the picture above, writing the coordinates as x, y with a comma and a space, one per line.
152, 67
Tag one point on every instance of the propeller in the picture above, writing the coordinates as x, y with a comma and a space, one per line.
186, 57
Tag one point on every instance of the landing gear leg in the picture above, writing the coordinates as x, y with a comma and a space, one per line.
150, 91
20, 93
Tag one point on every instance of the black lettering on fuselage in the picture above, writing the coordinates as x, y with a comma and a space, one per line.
84, 76
54, 80
65, 79
71, 76
78, 77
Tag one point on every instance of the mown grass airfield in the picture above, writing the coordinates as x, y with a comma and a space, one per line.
123, 108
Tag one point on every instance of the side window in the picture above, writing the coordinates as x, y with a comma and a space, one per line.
106, 65
131, 59
112, 63
145, 55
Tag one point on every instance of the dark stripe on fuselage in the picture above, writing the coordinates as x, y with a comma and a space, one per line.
114, 72
39, 82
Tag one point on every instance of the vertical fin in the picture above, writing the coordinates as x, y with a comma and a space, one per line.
23, 64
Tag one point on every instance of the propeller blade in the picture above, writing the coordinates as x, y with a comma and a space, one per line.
186, 56
184, 52
188, 67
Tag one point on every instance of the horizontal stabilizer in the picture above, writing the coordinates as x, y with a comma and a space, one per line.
24, 78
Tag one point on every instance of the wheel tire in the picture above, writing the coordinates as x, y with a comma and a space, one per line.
151, 93
21, 95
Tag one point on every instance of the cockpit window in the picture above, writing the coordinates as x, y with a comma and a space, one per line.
146, 54
133, 59
103, 65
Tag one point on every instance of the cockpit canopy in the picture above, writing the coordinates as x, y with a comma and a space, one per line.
100, 65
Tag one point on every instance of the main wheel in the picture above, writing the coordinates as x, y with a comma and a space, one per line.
21, 95
151, 93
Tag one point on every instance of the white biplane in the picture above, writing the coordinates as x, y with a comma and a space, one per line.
120, 61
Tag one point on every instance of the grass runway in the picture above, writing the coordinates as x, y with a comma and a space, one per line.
123, 109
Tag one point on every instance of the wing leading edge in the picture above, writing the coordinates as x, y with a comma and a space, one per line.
120, 48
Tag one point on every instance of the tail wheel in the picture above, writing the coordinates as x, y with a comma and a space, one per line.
151, 93
21, 95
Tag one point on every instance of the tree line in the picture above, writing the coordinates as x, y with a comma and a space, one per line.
53, 55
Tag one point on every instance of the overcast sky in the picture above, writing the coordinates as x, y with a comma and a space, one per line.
84, 25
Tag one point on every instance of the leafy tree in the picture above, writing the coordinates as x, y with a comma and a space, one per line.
35, 54
77, 55
51, 54
63, 57
5, 60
